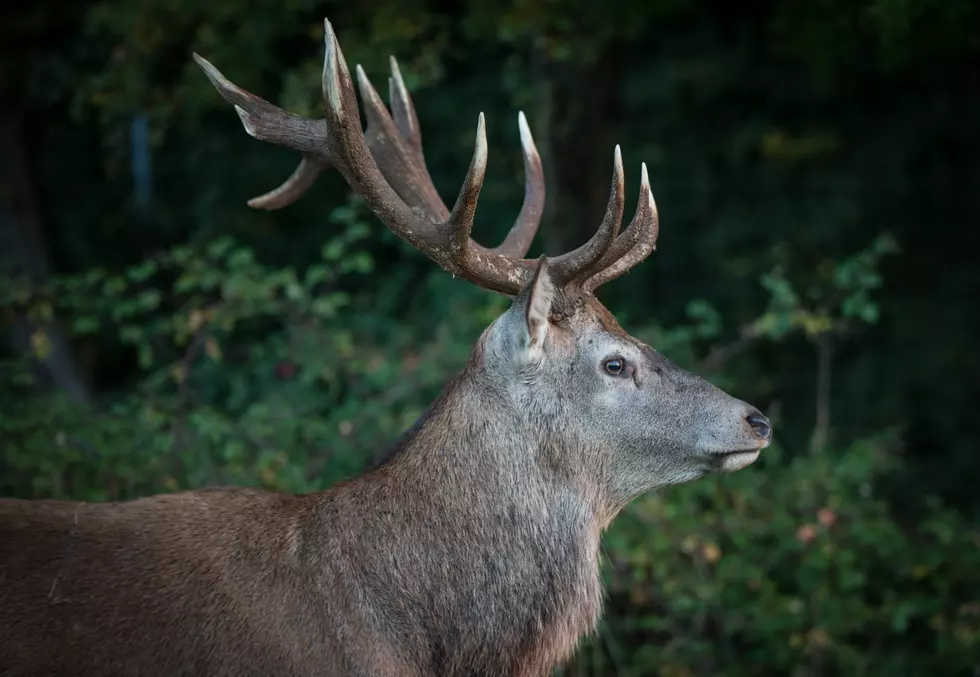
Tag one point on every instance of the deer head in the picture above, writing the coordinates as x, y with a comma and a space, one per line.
612, 408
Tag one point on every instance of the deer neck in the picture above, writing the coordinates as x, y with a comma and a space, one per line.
502, 539
476, 441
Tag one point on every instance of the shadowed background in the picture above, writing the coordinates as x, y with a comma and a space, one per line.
816, 169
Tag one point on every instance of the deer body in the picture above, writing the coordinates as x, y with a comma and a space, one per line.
473, 550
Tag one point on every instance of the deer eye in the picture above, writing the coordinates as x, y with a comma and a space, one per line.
615, 366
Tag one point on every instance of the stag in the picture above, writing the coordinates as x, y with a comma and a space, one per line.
473, 549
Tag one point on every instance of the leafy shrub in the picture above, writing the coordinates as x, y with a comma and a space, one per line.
248, 374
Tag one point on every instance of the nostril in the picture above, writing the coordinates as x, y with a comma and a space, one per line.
760, 425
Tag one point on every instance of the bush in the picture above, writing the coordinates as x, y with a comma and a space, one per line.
247, 374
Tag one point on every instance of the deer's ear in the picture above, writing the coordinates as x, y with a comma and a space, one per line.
537, 307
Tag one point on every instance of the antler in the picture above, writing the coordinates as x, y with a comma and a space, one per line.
385, 165
634, 245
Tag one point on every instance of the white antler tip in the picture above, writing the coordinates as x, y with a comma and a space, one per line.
331, 71
246, 119
397, 89
367, 89
214, 75
397, 85
480, 154
363, 82
527, 140
645, 189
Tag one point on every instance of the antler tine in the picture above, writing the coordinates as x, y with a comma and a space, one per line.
399, 157
402, 108
522, 233
568, 268
460, 222
293, 188
636, 242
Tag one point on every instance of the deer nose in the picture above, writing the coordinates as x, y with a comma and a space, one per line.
760, 426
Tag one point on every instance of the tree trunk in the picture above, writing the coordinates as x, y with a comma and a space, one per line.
585, 106
23, 251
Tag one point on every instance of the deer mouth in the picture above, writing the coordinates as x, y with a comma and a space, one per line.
731, 461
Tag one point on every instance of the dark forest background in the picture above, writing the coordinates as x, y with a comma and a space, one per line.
816, 165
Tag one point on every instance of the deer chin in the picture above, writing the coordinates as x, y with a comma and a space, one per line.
732, 461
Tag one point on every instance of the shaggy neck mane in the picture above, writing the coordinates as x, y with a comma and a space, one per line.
506, 547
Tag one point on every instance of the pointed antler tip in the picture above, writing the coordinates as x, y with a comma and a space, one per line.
369, 93
331, 71
396, 76
214, 75
522, 124
247, 121
329, 37
396, 84
480, 153
644, 176
481, 129
362, 81
332, 53
527, 140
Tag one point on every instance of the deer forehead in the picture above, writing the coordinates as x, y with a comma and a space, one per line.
595, 330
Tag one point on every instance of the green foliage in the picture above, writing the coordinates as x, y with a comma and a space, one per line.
248, 374
839, 296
